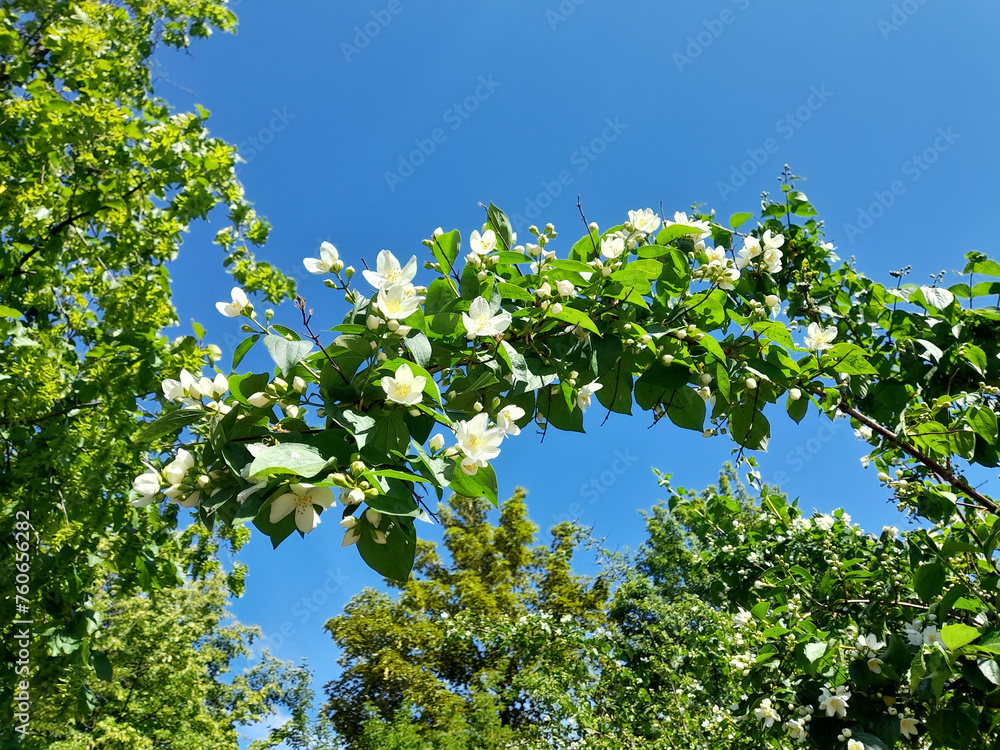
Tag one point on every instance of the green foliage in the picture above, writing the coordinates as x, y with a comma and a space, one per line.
165, 677
465, 655
99, 180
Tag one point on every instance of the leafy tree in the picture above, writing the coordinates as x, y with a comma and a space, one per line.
165, 676
463, 655
99, 179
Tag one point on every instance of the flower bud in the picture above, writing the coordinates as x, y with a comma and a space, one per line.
380, 537
373, 323
349, 522
392, 325
414, 412
645, 339
339, 479
557, 308
246, 328
214, 353
374, 517
401, 331
772, 300
355, 496
751, 384
381, 357
437, 443
358, 468
350, 537
794, 394
337, 266
437, 233
477, 407
299, 385
533, 229
667, 359
706, 378
481, 276
259, 399
592, 226
349, 272
280, 384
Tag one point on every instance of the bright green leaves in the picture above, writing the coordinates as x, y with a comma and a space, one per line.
929, 580
392, 556
446, 248
848, 358
749, 426
286, 354
288, 458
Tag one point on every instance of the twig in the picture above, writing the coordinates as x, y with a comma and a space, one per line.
300, 303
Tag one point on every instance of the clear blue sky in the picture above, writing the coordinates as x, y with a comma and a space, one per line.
630, 104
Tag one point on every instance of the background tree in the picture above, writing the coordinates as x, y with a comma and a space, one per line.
99, 179
412, 671
168, 676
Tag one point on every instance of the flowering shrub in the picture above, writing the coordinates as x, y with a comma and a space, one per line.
677, 317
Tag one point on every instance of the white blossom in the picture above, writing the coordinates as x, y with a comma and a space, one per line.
388, 272
326, 262
237, 306
302, 499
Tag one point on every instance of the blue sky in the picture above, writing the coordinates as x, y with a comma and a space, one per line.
368, 124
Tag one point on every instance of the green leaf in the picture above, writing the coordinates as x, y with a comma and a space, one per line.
849, 358
286, 354
170, 423
241, 350
102, 666
395, 505
776, 332
446, 249
638, 272
957, 635
738, 220
513, 291
686, 409
481, 484
394, 559
797, 408
983, 421
574, 317
9, 312
814, 651
288, 458
975, 357
928, 581
749, 426
501, 225
674, 231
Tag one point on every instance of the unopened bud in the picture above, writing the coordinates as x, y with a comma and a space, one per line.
358, 468
477, 407
349, 272
373, 323
751, 384
437, 443
374, 517
794, 394
298, 385
392, 325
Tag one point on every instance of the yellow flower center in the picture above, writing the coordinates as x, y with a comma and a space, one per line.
393, 306
402, 389
393, 275
303, 502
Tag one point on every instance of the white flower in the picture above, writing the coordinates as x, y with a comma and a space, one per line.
773, 302
766, 713
644, 221
349, 522
302, 499
172, 389
751, 249
566, 288
328, 256
891, 531
931, 636
855, 745
875, 665
483, 244
437, 443
405, 388
479, 322
177, 469
680, 217
834, 703
389, 273
825, 522
796, 728
147, 485
820, 338
584, 394
869, 645
914, 633
908, 726
742, 618
395, 302
259, 399
613, 245
773, 242
477, 440
507, 419
772, 259
239, 303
